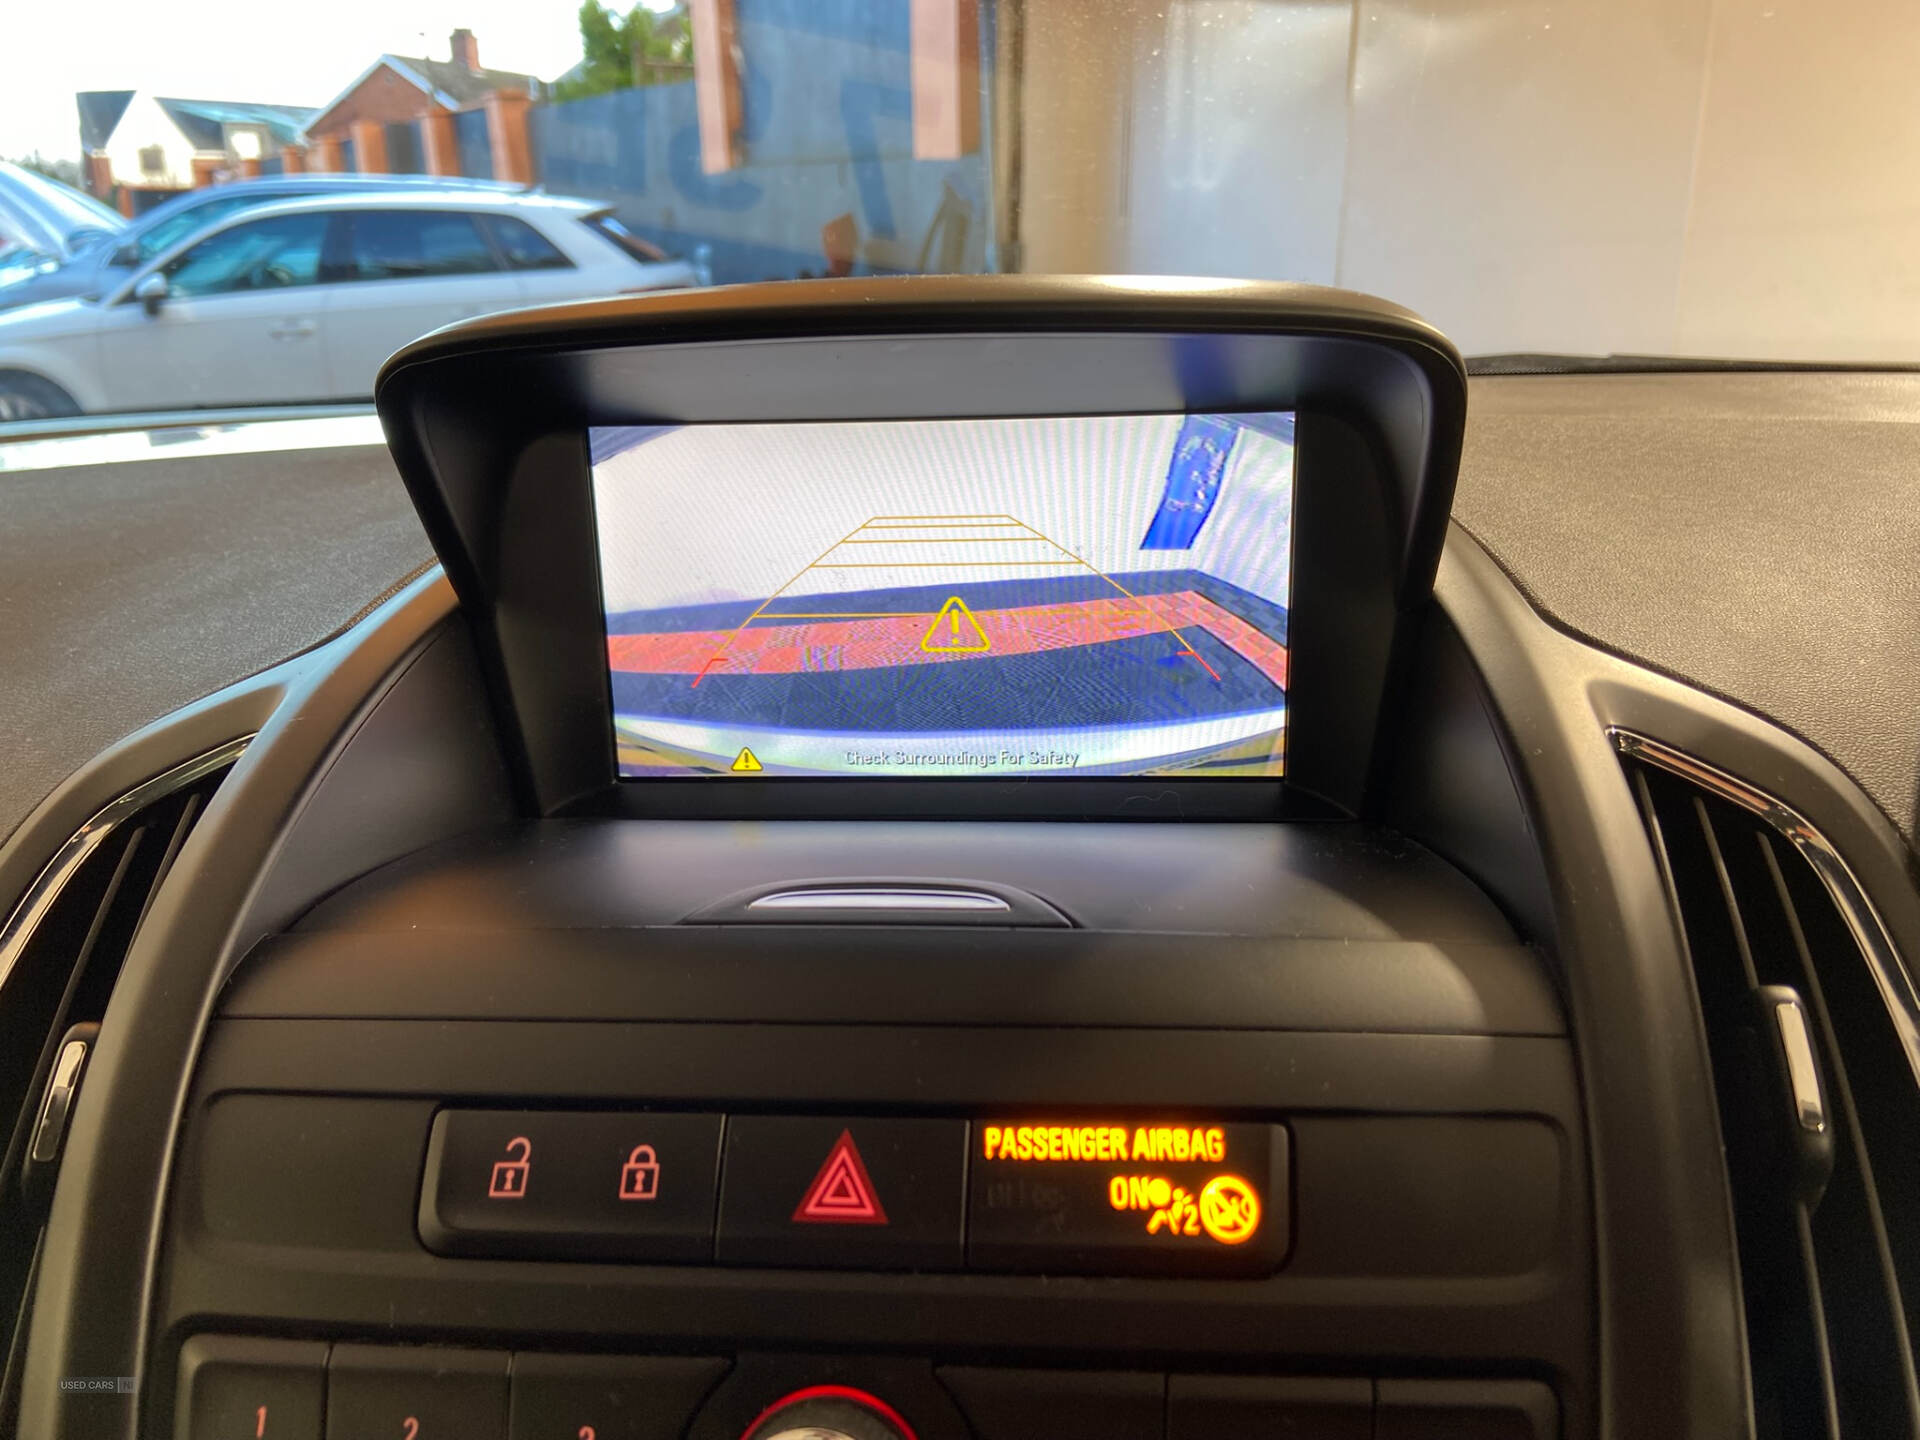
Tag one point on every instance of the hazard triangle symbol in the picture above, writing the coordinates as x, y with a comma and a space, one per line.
954, 629
842, 1193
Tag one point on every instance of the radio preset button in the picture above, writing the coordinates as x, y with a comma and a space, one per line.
231, 1386
416, 1393
611, 1397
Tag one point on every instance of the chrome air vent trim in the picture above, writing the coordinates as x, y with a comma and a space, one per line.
25, 920
1890, 973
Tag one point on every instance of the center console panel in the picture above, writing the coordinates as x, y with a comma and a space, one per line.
518, 1094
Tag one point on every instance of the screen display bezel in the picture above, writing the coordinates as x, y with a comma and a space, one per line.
1286, 602
488, 426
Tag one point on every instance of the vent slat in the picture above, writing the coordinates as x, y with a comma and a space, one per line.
194, 801
101, 923
1736, 913
1828, 1327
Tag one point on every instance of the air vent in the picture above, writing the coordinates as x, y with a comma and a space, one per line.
60, 953
1809, 1019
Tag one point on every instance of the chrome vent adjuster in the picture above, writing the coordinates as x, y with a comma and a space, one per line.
1809, 1020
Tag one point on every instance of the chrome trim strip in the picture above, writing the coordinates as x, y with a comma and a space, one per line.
1890, 973
875, 898
19, 929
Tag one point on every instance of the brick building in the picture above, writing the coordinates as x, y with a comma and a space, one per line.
405, 114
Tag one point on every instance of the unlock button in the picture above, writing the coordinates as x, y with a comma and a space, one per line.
565, 1185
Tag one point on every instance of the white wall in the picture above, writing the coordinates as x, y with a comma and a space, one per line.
1717, 177
144, 124
1806, 204
1518, 172
1239, 140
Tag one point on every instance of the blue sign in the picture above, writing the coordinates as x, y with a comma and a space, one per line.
1199, 467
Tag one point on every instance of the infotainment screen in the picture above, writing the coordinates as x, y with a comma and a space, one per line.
1004, 598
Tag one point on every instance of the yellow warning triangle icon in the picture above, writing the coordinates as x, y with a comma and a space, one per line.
954, 629
746, 762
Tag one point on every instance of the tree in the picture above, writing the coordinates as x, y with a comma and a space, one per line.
67, 172
643, 48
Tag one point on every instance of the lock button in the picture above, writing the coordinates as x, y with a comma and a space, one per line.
565, 1185
640, 1176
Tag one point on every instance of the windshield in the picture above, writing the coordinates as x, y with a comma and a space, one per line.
197, 214
1699, 178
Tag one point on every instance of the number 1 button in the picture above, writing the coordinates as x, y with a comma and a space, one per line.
239, 1389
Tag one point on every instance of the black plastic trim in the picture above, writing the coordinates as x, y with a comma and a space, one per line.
1672, 1355
487, 423
95, 1283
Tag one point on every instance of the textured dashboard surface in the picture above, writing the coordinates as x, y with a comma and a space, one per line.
1758, 535
1755, 534
129, 590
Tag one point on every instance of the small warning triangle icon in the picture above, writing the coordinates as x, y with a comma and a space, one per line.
746, 762
954, 629
842, 1193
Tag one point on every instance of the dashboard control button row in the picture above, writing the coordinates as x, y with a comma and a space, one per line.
1192, 1197
861, 1193
381, 1392
1120, 1197
233, 1386
566, 1185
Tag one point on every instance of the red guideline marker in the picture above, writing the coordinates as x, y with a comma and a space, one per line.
842, 1193
1203, 661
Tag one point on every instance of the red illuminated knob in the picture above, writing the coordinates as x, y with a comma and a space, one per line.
829, 1412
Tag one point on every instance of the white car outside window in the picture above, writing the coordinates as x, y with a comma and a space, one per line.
303, 300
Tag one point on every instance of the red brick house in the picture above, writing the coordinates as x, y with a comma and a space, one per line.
399, 116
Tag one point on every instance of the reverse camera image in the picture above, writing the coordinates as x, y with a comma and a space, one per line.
1093, 596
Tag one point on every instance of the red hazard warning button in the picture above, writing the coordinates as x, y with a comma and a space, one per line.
848, 1192
842, 1193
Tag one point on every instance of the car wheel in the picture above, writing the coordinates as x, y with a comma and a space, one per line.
28, 397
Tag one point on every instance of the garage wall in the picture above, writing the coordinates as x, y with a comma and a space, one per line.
1805, 214
1715, 177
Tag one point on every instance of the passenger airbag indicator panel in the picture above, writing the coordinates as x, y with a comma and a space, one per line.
1106, 1198
1094, 1197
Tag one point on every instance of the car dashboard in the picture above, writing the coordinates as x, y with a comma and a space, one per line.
1530, 1052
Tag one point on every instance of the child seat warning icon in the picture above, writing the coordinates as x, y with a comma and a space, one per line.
842, 1193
